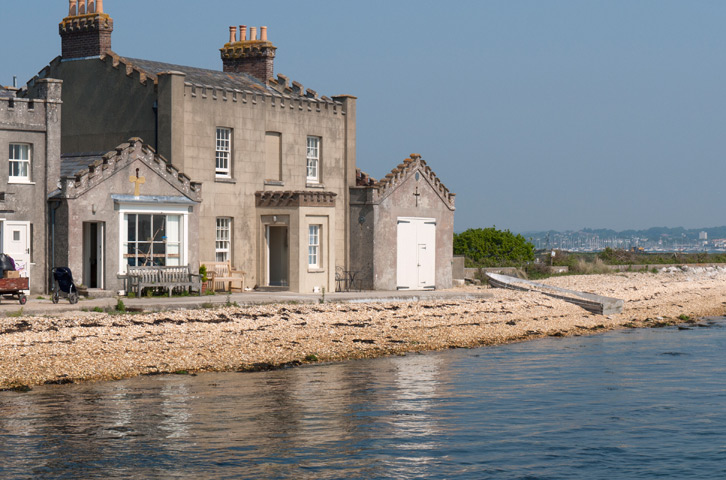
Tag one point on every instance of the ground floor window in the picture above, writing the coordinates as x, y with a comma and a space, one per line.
224, 236
152, 239
314, 246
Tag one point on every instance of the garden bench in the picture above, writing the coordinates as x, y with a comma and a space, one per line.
168, 277
221, 273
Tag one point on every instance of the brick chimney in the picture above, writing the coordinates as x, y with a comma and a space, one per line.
86, 31
254, 56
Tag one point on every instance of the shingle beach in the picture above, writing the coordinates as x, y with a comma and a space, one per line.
89, 346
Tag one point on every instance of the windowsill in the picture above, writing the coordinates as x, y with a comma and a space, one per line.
316, 270
275, 183
314, 185
20, 182
224, 180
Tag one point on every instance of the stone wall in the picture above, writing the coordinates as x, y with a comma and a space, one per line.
33, 118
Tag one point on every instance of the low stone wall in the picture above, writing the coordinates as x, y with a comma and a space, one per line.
472, 273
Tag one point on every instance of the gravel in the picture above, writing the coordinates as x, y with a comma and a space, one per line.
89, 346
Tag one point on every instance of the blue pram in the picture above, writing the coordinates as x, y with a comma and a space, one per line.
64, 286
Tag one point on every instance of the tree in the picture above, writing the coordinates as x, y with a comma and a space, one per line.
489, 247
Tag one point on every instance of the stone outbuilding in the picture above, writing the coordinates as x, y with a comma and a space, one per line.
128, 206
403, 229
30, 134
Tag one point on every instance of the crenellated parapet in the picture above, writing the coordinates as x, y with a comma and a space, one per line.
112, 162
129, 69
410, 167
288, 100
297, 198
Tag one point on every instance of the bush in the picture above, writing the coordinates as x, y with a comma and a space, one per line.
489, 247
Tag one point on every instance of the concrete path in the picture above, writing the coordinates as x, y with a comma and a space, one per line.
44, 306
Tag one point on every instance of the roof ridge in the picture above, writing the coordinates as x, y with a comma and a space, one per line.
402, 170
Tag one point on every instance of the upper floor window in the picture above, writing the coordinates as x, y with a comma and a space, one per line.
223, 152
224, 230
313, 160
19, 162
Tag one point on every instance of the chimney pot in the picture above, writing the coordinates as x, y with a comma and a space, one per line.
72, 8
232, 34
263, 34
91, 6
253, 33
99, 6
82, 7
242, 33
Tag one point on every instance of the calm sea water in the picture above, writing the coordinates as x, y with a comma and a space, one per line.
623, 405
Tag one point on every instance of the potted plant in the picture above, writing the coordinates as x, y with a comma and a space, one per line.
205, 279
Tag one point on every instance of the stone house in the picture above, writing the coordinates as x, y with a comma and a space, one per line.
128, 206
30, 134
277, 163
276, 159
404, 229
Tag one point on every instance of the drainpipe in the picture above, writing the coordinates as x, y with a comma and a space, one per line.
52, 241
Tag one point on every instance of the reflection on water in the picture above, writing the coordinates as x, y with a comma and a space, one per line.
635, 404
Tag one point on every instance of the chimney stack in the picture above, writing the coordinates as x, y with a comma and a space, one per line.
86, 31
252, 56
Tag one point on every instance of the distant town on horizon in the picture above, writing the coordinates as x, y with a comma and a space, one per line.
655, 239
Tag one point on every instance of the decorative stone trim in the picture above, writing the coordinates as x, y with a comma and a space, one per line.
122, 156
294, 199
392, 180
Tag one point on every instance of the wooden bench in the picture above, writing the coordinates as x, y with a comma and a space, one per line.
169, 278
223, 277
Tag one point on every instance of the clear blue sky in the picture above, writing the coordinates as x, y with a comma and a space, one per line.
538, 114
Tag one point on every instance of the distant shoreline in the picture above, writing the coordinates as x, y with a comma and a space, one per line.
88, 346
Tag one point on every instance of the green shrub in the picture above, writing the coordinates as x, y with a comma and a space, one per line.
489, 247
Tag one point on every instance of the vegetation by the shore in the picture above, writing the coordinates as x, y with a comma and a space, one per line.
489, 247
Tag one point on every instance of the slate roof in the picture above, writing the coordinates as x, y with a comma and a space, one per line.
4, 93
202, 76
72, 163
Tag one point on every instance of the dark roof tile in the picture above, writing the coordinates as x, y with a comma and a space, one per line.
212, 78
72, 163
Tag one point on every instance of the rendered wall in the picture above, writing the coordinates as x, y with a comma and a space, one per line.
104, 105
250, 117
363, 218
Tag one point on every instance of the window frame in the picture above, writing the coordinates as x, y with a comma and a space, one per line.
314, 246
158, 240
223, 152
312, 159
223, 224
19, 162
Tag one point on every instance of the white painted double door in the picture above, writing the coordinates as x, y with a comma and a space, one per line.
416, 253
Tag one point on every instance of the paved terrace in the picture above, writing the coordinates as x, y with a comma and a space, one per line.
44, 306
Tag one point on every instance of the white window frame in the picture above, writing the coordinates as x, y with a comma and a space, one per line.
313, 159
19, 167
314, 250
181, 211
223, 152
223, 239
